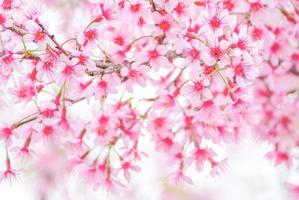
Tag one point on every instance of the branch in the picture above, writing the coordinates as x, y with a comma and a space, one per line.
22, 32
16, 30
52, 37
294, 71
105, 67
24, 122
153, 5
109, 69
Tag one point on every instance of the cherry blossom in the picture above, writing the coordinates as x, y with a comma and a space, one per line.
186, 76
136, 75
9, 172
180, 177
155, 56
200, 155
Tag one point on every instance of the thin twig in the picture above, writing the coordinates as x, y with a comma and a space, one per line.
102, 71
153, 5
52, 37
24, 122
16, 30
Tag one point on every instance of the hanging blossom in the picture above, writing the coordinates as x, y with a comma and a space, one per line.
275, 26
204, 61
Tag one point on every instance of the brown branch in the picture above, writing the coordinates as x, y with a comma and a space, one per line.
16, 30
73, 101
109, 69
28, 55
294, 71
52, 37
153, 5
105, 66
24, 122
22, 32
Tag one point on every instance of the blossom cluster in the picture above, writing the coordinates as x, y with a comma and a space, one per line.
276, 103
209, 64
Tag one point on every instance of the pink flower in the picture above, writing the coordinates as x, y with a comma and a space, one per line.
219, 68
104, 127
70, 71
210, 113
8, 63
217, 167
280, 157
130, 133
155, 56
111, 184
180, 177
5, 20
167, 100
47, 67
136, 75
241, 42
134, 152
91, 173
224, 133
136, 9
180, 9
216, 51
119, 36
78, 143
196, 91
9, 172
200, 155
193, 54
37, 35
242, 71
105, 9
164, 23
25, 91
84, 60
166, 144
159, 124
48, 113
126, 167
89, 37
25, 151
107, 84
215, 21
6, 134
294, 190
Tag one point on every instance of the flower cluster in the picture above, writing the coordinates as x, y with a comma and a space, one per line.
276, 90
207, 64
275, 24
